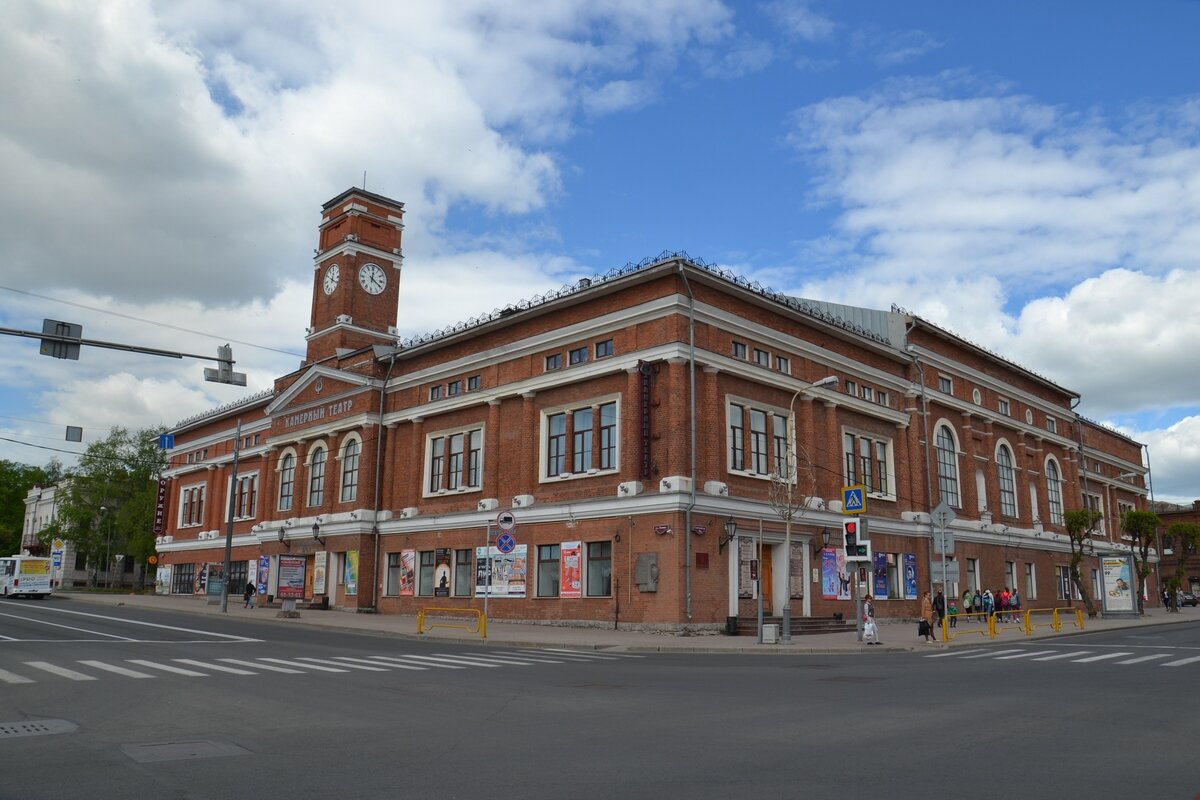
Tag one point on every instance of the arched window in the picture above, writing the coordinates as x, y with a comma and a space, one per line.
947, 464
287, 481
350, 452
1008, 481
316, 477
1054, 491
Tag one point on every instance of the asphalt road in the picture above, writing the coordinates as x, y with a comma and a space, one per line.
99, 703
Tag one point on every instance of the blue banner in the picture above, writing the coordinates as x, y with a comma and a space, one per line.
829, 574
910, 576
881, 575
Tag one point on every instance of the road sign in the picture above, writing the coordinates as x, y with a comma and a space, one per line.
943, 515
952, 572
56, 559
506, 520
854, 499
58, 544
506, 543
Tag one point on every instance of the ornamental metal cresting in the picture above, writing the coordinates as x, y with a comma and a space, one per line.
318, 413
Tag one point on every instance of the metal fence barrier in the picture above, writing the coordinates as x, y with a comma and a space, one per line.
478, 626
994, 623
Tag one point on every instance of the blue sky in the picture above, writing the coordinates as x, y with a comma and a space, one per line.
1025, 174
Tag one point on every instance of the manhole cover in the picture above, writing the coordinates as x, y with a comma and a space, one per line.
181, 751
39, 727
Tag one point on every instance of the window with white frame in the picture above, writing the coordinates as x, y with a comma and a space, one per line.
604, 349
316, 475
867, 459
287, 481
946, 447
599, 569
881, 397
779, 446
580, 440
578, 355
463, 572
1004, 407
454, 388
757, 440
1052, 424
553, 362
1010, 574
973, 574
425, 573
191, 505
1007, 478
350, 454
945, 384
1030, 582
762, 357
549, 572
245, 496
783, 364
1054, 496
391, 585
739, 350
435, 392
473, 383
454, 460
868, 394
852, 388
1093, 502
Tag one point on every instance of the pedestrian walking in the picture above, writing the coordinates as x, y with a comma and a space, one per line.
939, 610
247, 594
966, 602
977, 603
989, 604
925, 623
1014, 602
870, 628
953, 613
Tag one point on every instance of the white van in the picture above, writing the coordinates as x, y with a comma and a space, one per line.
25, 575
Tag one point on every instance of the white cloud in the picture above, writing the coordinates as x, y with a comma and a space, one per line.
801, 21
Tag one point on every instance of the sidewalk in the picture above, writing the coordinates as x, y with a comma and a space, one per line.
899, 636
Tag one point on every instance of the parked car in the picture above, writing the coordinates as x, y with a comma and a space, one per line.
1189, 599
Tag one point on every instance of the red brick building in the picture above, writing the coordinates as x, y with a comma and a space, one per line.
630, 423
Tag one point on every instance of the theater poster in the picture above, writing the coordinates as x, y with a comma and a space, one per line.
350, 573
508, 572
910, 576
570, 583
1116, 577
829, 574
408, 572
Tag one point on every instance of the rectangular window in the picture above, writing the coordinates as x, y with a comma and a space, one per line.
762, 358
183, 579
1030, 583
758, 441
1062, 582
463, 573
1093, 503
608, 436
739, 350
867, 461
191, 510
581, 440
553, 362
894, 586
783, 364
316, 477
425, 579
852, 388
1052, 424
473, 383
1004, 407
1010, 574
881, 398
945, 385
571, 438
453, 388
454, 461
599, 569
435, 392
868, 394
973, 574
577, 356
780, 445
556, 444
737, 437
350, 471
604, 349
391, 582
548, 570
245, 498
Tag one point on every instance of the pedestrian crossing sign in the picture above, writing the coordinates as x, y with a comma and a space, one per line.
854, 499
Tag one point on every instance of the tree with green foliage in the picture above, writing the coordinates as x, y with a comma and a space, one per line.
15, 482
108, 504
1142, 528
1080, 522
1182, 538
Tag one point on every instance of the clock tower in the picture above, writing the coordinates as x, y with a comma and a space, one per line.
356, 274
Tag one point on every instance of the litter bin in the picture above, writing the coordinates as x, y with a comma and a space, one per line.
770, 633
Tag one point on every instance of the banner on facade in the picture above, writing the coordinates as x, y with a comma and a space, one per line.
408, 572
441, 572
910, 576
745, 551
796, 570
162, 579
264, 573
350, 573
881, 575
320, 559
843, 571
508, 572
291, 577
570, 582
829, 574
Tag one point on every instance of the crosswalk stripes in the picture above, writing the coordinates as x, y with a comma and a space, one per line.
249, 667
1070, 656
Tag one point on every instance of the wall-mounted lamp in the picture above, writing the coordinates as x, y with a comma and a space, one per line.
728, 536
824, 542
283, 538
317, 534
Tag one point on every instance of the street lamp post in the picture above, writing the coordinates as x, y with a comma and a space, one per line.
107, 546
789, 510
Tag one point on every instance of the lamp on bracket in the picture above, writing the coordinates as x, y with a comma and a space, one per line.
283, 538
824, 542
316, 530
729, 535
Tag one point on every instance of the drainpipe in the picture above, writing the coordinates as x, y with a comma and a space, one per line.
378, 469
687, 514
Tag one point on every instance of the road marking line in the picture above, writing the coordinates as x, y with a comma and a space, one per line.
583, 654
36, 621
60, 671
302, 666
368, 661
1026, 654
128, 673
191, 673
456, 660
1145, 658
1063, 655
256, 665
12, 677
484, 659
990, 654
1181, 662
433, 661
530, 658
228, 636
1103, 657
348, 666
217, 667
952, 653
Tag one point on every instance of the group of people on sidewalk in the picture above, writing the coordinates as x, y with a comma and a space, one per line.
1005, 606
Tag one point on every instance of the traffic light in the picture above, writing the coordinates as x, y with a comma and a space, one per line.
854, 538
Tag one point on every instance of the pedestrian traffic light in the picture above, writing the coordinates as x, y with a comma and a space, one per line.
854, 538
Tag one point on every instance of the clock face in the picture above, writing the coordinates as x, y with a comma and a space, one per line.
372, 278
331, 278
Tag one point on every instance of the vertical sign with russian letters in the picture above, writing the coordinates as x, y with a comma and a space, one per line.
160, 507
745, 551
